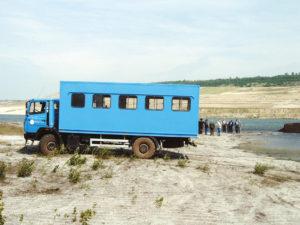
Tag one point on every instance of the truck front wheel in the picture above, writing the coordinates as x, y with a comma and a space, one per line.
144, 148
48, 144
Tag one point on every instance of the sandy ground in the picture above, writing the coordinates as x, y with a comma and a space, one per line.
250, 102
217, 186
12, 107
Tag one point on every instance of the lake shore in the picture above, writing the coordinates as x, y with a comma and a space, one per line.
214, 185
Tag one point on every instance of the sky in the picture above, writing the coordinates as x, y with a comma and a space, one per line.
45, 41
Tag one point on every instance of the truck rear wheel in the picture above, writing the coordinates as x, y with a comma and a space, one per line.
144, 148
48, 144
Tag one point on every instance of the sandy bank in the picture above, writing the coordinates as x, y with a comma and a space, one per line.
216, 186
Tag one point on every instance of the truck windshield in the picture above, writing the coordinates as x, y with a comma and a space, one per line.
37, 107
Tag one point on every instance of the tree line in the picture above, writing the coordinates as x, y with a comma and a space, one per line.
265, 81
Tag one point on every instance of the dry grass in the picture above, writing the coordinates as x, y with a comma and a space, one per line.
74, 175
86, 215
3, 169
2, 218
25, 168
182, 163
77, 160
159, 202
260, 169
204, 168
108, 174
10, 129
98, 163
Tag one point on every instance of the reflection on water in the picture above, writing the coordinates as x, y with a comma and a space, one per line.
276, 144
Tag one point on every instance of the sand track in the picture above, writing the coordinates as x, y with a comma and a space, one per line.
227, 193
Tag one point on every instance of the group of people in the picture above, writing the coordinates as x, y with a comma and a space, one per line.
224, 126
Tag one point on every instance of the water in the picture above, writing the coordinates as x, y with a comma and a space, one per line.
11, 118
254, 125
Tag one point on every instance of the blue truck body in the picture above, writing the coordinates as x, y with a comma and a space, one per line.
139, 121
146, 116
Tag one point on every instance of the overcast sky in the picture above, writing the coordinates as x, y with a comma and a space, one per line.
45, 41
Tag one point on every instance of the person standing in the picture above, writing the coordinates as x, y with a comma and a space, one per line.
219, 125
201, 126
230, 126
224, 126
212, 128
237, 125
206, 126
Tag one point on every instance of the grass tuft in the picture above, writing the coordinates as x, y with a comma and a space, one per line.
3, 169
86, 215
74, 176
107, 174
103, 153
167, 157
159, 202
204, 168
260, 169
182, 163
97, 164
55, 169
77, 160
2, 218
25, 168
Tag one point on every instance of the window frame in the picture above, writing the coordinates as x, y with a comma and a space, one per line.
128, 96
182, 98
102, 96
78, 93
34, 103
147, 98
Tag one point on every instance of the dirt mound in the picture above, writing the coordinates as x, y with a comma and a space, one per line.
291, 128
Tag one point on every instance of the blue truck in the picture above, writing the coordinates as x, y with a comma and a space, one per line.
144, 116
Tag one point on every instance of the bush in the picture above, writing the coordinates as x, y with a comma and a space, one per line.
260, 169
74, 176
2, 218
103, 153
159, 202
203, 168
77, 159
182, 163
86, 215
3, 168
25, 168
97, 164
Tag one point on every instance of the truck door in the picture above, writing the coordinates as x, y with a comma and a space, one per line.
36, 116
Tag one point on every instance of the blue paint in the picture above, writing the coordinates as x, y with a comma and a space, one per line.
138, 122
114, 120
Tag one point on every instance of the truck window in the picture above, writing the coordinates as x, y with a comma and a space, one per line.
181, 104
127, 102
78, 100
101, 101
154, 103
37, 107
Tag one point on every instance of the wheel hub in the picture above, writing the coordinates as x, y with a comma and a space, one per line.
51, 146
144, 148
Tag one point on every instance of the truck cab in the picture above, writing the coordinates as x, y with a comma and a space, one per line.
41, 115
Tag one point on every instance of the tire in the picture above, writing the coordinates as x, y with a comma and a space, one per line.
48, 144
144, 148
72, 143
